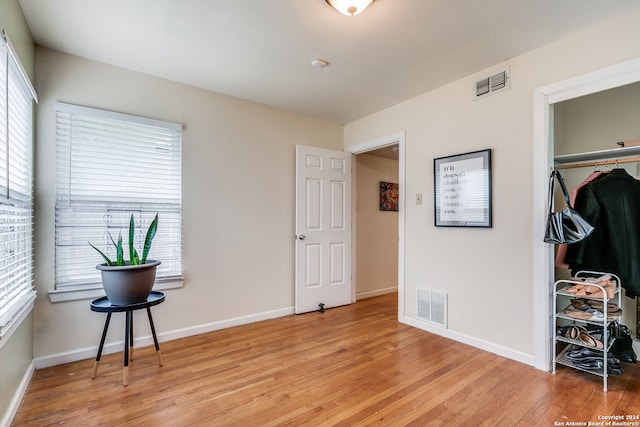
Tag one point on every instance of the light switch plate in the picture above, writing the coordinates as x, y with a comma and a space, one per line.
419, 199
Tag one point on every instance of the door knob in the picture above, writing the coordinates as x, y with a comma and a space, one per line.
301, 237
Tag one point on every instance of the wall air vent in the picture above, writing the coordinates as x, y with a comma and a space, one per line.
496, 82
432, 307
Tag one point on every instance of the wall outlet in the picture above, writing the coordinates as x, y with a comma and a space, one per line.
419, 199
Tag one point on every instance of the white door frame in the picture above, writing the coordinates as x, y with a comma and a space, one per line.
543, 267
396, 138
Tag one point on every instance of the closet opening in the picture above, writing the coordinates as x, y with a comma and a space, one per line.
597, 136
580, 116
596, 140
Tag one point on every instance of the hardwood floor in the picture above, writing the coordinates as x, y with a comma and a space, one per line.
349, 366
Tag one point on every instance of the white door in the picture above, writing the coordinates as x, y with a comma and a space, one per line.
323, 228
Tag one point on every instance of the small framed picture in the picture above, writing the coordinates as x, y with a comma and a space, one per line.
463, 190
388, 196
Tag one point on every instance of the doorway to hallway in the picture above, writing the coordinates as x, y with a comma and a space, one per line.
376, 216
388, 142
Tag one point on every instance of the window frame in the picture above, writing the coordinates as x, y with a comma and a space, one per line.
17, 191
93, 288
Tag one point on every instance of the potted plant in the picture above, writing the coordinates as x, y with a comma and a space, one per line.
129, 282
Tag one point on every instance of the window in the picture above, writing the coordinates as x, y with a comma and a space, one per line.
16, 191
109, 166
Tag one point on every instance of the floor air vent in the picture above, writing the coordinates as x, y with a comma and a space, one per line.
432, 307
496, 82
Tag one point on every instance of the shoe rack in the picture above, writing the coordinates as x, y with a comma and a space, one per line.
577, 323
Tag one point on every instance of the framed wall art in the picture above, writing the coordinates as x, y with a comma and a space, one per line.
463, 190
388, 196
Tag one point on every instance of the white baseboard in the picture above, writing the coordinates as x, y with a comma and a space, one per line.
527, 359
7, 419
114, 347
375, 293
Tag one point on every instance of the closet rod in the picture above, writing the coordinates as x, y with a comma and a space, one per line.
599, 163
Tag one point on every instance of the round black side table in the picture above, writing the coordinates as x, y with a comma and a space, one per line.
103, 305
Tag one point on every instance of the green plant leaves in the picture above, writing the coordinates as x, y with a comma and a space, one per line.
106, 258
151, 233
134, 258
119, 251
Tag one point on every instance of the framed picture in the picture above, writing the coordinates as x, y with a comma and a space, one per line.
463, 190
388, 196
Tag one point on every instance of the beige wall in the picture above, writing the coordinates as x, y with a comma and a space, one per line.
16, 354
13, 23
597, 121
376, 230
487, 273
238, 200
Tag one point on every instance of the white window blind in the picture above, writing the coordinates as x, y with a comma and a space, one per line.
16, 190
109, 166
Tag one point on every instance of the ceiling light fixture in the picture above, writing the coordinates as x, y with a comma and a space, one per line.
349, 7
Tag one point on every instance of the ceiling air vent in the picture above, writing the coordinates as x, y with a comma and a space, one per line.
496, 82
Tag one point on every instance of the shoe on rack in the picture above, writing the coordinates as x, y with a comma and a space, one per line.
602, 279
628, 356
562, 330
615, 370
591, 341
597, 365
580, 289
595, 292
571, 331
622, 348
584, 352
577, 290
612, 308
580, 304
590, 314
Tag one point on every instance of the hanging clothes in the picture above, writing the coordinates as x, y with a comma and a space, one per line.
562, 249
611, 204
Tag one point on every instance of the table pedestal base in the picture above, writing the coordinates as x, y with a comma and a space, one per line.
103, 305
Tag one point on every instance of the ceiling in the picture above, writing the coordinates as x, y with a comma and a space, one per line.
262, 50
388, 152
